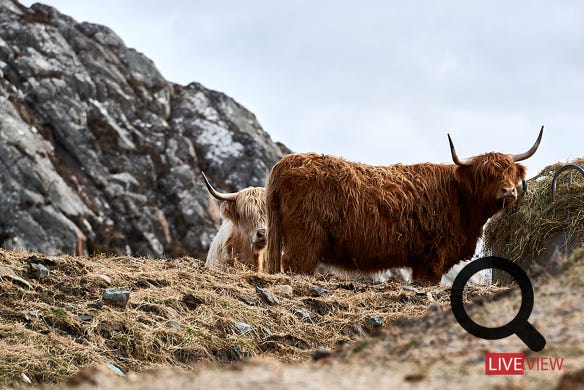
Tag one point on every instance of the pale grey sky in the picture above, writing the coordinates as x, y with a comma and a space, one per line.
376, 81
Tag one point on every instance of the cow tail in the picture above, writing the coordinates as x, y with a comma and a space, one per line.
274, 246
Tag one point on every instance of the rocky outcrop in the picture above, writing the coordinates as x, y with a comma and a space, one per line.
99, 153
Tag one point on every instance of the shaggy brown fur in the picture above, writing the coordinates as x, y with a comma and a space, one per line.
370, 218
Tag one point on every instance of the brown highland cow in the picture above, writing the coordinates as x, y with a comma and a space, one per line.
364, 218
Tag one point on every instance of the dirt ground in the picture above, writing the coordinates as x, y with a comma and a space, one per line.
182, 328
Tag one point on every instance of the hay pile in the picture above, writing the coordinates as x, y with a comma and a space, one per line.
535, 228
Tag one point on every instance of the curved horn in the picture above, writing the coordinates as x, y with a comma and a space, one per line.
530, 152
466, 162
215, 193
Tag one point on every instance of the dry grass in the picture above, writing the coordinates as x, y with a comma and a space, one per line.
429, 351
529, 232
51, 331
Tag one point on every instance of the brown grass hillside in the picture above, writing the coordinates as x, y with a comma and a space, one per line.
179, 314
181, 322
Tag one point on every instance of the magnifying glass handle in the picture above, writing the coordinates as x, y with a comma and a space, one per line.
531, 337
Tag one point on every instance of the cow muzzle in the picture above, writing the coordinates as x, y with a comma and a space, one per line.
508, 195
259, 238
508, 192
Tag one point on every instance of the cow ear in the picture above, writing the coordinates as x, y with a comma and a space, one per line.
228, 210
464, 177
462, 174
521, 171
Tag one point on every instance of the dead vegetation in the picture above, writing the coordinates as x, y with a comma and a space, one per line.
536, 227
182, 314
419, 344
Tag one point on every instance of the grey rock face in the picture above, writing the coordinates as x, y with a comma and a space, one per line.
99, 153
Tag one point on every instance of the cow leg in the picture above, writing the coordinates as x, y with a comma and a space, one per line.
301, 253
300, 261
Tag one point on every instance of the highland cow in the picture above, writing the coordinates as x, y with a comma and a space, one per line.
242, 236
428, 217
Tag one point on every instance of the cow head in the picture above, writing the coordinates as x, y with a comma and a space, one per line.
492, 177
246, 210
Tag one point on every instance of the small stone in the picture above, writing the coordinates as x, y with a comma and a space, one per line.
39, 271
414, 377
115, 297
174, 325
320, 353
236, 352
115, 370
318, 291
416, 290
31, 314
248, 301
283, 290
25, 378
171, 312
102, 277
347, 286
85, 317
267, 296
97, 304
242, 327
191, 301
303, 315
45, 261
374, 321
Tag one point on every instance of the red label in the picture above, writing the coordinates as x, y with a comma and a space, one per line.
504, 363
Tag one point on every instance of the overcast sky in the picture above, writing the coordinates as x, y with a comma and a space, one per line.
376, 81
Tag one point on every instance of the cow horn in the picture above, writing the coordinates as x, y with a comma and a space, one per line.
467, 162
224, 197
530, 152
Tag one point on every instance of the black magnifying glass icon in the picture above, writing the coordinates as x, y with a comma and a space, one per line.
518, 325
